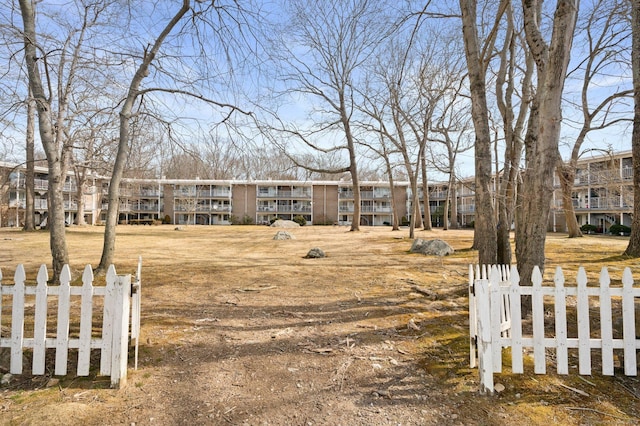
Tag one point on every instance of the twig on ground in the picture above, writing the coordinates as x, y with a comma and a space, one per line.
248, 289
595, 411
578, 391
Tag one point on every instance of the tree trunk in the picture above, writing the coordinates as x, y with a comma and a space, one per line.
426, 221
80, 182
395, 222
122, 154
57, 240
29, 211
544, 130
633, 249
485, 226
567, 175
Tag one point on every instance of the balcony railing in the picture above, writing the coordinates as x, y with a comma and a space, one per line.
296, 193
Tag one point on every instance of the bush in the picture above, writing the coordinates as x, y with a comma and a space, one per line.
588, 228
404, 221
618, 229
166, 220
300, 220
246, 220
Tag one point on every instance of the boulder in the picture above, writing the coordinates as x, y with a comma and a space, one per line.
284, 224
434, 247
283, 235
315, 253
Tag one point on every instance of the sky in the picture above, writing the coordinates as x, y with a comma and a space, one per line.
242, 79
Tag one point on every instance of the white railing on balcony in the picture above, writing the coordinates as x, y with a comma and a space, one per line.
280, 193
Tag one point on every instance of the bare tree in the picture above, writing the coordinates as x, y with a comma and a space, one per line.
452, 131
56, 62
213, 23
513, 95
605, 31
543, 133
53, 145
477, 55
324, 47
633, 249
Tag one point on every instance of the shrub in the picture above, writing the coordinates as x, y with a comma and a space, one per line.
246, 220
618, 229
404, 221
300, 220
588, 228
166, 220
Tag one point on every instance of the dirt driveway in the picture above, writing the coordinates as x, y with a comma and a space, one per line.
238, 328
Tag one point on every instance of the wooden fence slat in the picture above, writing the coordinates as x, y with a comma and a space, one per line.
560, 309
515, 299
136, 307
496, 312
584, 329
107, 321
485, 352
473, 329
62, 336
17, 321
629, 324
120, 331
606, 326
537, 306
40, 322
86, 320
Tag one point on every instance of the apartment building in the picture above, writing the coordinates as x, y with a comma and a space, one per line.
602, 193
602, 196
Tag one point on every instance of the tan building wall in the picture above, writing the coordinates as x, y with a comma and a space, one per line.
168, 205
243, 199
325, 204
400, 196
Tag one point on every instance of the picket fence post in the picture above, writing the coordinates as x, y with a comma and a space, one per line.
17, 322
86, 319
629, 325
40, 322
120, 334
562, 354
516, 326
485, 351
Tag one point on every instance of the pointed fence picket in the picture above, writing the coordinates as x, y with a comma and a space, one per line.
121, 303
495, 322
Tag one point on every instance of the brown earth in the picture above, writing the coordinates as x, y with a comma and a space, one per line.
240, 329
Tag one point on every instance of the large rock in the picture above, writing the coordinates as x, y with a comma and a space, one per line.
315, 253
284, 224
283, 235
434, 247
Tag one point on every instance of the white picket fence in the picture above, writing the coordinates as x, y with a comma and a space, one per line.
121, 303
495, 322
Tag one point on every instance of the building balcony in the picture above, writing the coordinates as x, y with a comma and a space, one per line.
374, 209
303, 194
372, 195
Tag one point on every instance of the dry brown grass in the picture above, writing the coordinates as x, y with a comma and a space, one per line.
239, 328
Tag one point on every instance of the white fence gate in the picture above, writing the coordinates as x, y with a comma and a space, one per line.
121, 302
495, 321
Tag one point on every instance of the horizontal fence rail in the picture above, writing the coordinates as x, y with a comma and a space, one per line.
120, 304
495, 321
